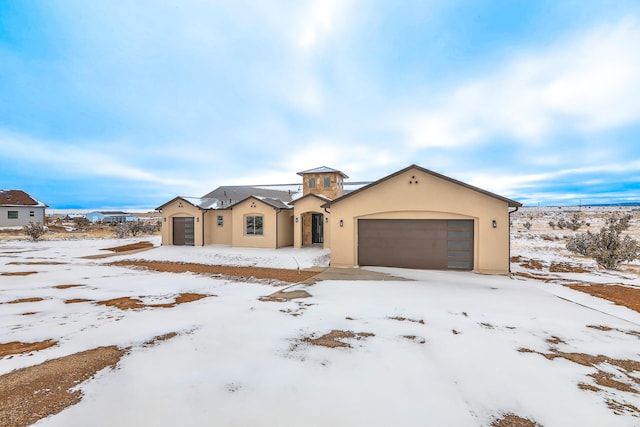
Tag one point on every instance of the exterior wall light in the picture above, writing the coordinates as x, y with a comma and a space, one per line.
341, 223
164, 219
326, 219
296, 220
494, 223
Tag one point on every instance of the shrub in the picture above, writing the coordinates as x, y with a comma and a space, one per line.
607, 247
527, 225
121, 230
135, 227
552, 224
34, 230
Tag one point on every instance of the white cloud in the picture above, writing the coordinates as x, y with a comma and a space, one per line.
55, 157
587, 83
318, 21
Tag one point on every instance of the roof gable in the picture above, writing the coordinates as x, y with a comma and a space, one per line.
274, 203
317, 196
511, 203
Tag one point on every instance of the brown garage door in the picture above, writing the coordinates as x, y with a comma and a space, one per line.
416, 243
183, 231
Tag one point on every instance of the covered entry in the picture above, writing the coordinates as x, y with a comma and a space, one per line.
183, 231
416, 243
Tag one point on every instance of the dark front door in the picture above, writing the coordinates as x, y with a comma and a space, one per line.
183, 231
317, 228
416, 243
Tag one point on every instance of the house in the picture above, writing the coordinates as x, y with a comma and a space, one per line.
17, 209
111, 217
413, 218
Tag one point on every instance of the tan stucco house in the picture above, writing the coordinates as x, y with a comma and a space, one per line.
414, 218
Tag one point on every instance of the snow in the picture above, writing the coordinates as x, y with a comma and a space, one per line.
239, 361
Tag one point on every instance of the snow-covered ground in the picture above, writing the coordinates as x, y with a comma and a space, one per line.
443, 350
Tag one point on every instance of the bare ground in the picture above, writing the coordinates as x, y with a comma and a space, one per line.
283, 275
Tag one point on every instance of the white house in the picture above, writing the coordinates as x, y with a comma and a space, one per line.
112, 217
17, 209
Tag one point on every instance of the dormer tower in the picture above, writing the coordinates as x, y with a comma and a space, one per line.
324, 181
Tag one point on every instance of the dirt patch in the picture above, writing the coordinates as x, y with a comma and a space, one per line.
621, 295
565, 267
333, 338
17, 347
181, 299
21, 300
129, 303
130, 247
283, 275
18, 273
66, 286
30, 394
624, 379
159, 339
555, 340
513, 420
123, 303
532, 264
282, 296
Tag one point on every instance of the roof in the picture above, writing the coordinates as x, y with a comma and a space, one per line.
323, 169
18, 198
274, 203
231, 194
319, 196
511, 203
199, 202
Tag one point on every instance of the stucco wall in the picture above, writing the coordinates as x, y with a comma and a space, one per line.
180, 208
24, 216
253, 206
214, 233
418, 195
285, 228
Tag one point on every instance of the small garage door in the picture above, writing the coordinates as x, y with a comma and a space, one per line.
416, 243
183, 231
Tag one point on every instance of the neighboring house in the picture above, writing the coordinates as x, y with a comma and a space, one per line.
414, 218
111, 217
17, 208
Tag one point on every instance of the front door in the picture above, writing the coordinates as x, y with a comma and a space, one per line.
317, 228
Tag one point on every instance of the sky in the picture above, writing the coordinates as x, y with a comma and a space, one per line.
127, 104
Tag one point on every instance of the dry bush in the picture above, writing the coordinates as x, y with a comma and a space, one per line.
34, 230
607, 247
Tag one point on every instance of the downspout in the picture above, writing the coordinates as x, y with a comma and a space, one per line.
510, 212
277, 221
203, 212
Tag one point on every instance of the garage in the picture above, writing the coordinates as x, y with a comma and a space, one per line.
416, 243
183, 231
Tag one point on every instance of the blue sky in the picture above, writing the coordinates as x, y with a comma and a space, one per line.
127, 104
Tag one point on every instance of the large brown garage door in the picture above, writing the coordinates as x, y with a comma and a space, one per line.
183, 231
416, 243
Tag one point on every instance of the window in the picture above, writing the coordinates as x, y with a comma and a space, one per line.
254, 225
32, 213
312, 183
12, 214
327, 182
220, 220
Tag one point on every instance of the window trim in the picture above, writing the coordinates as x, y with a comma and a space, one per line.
13, 214
327, 179
220, 220
256, 232
312, 183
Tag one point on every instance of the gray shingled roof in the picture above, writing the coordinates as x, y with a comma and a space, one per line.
323, 169
231, 194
